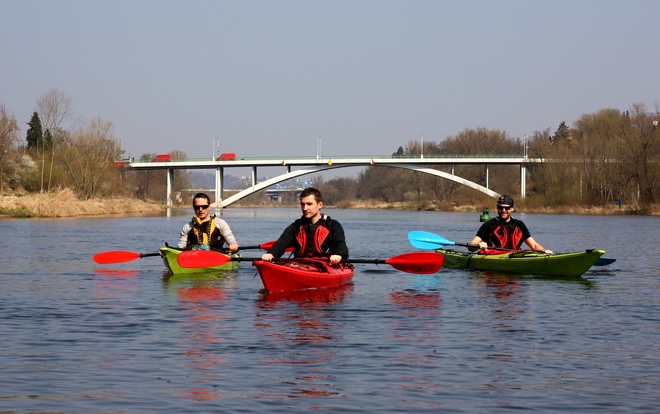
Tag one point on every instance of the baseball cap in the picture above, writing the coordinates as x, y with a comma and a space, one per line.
505, 199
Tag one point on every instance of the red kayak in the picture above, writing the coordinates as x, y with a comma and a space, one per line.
301, 274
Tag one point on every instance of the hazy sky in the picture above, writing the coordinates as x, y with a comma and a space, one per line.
267, 77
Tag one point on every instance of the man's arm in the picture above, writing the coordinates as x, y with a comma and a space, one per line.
183, 237
280, 245
227, 235
534, 245
477, 240
339, 238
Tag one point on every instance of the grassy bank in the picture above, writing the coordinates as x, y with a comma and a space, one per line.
65, 204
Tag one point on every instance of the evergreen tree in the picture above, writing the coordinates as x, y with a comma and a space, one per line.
35, 136
398, 153
48, 140
562, 132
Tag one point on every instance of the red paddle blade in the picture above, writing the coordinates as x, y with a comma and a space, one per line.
268, 245
201, 258
115, 256
417, 262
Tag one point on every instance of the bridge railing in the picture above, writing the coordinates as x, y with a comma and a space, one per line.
346, 157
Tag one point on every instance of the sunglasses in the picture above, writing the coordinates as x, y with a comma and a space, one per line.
204, 207
506, 208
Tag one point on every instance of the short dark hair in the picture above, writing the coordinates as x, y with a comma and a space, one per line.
312, 191
201, 195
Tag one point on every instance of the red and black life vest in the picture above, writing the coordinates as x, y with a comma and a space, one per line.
507, 236
320, 243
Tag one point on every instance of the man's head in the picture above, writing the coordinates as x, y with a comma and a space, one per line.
202, 205
311, 202
505, 207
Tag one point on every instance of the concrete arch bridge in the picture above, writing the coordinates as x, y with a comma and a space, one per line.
299, 166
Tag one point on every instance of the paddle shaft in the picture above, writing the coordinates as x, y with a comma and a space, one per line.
149, 254
322, 258
413, 262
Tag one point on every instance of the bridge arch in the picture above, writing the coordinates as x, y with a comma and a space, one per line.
316, 168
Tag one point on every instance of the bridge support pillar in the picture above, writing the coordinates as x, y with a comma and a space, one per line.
254, 176
170, 183
219, 187
523, 181
487, 170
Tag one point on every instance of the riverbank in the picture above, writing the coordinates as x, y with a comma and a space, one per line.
65, 204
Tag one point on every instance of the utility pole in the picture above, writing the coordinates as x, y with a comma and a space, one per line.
422, 149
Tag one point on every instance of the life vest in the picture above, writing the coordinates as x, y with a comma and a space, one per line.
321, 242
205, 235
502, 236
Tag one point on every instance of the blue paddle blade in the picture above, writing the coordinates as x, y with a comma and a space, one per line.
426, 240
604, 261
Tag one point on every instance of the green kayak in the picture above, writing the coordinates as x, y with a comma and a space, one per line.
170, 255
525, 262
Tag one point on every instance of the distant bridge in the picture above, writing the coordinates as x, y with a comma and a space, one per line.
310, 165
275, 194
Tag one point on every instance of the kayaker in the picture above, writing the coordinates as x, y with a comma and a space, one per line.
314, 234
505, 231
205, 232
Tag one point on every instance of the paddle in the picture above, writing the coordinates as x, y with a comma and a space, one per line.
426, 240
119, 256
264, 246
122, 256
415, 262
603, 261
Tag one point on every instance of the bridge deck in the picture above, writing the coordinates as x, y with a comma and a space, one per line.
308, 165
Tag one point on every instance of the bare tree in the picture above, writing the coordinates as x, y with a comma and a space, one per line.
181, 177
87, 158
8, 141
57, 120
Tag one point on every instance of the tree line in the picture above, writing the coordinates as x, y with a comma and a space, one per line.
601, 158
61, 150
604, 157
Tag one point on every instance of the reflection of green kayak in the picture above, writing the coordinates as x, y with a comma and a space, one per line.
525, 262
169, 258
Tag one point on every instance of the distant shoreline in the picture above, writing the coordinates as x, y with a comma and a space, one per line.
65, 204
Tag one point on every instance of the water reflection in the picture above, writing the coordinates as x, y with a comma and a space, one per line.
202, 324
420, 317
114, 285
308, 299
302, 331
417, 326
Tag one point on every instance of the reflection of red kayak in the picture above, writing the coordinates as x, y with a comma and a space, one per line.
301, 274
311, 299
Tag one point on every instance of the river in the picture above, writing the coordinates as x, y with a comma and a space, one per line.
78, 337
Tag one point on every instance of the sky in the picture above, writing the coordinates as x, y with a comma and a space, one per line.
266, 78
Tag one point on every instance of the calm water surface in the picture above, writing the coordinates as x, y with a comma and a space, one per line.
80, 337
